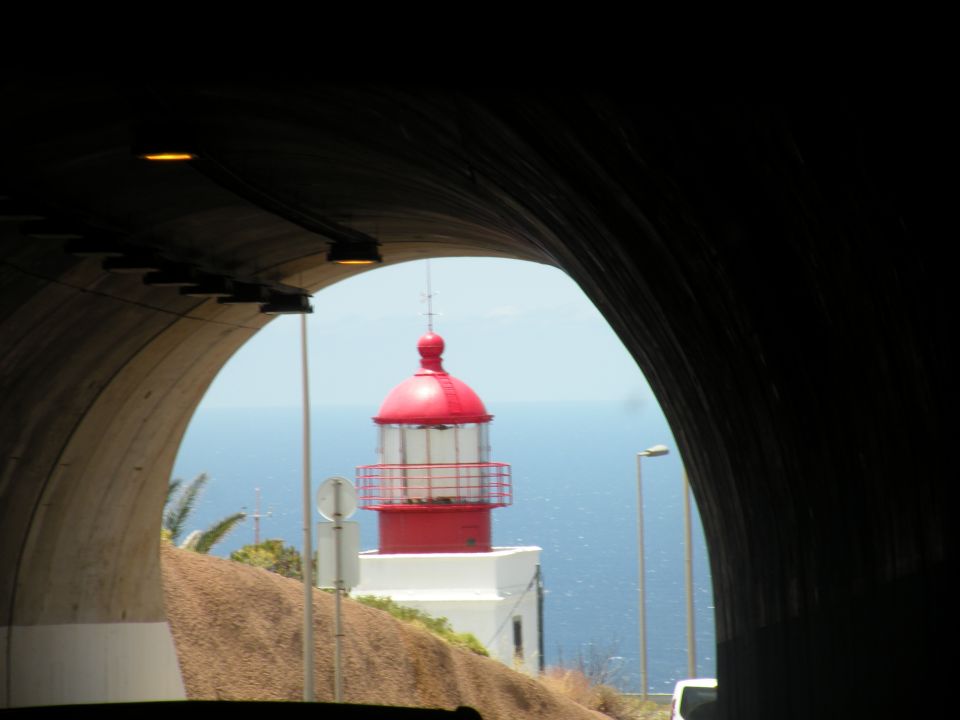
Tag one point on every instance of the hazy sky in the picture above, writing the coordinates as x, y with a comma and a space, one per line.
513, 330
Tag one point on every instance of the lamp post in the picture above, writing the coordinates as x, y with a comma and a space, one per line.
654, 451
308, 690
688, 579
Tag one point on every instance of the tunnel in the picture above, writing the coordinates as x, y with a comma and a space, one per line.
776, 271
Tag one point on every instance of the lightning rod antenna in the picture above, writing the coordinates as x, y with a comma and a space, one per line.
428, 298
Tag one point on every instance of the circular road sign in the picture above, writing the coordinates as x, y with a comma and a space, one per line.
327, 497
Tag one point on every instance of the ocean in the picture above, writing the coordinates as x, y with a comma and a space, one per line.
574, 478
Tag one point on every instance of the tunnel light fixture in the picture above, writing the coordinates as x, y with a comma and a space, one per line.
93, 247
172, 275
131, 264
12, 211
52, 230
209, 286
164, 142
286, 303
246, 293
354, 253
168, 156
80, 241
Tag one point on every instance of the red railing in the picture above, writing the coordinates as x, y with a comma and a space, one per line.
438, 485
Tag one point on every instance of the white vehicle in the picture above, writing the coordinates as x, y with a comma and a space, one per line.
691, 694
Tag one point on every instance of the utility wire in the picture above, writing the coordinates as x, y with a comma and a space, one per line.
499, 630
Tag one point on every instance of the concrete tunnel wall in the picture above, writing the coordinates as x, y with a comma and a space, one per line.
773, 271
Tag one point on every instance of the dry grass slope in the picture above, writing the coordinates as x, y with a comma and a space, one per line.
238, 634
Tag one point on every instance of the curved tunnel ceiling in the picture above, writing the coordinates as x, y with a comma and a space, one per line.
772, 270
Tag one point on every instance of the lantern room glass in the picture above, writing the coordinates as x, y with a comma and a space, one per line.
463, 446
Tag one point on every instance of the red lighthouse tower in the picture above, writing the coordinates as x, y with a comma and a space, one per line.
433, 491
434, 486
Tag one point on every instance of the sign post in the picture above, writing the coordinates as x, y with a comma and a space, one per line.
337, 500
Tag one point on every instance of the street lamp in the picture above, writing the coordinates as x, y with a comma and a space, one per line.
654, 451
688, 578
307, 559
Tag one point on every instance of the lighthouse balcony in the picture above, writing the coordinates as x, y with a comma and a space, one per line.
486, 484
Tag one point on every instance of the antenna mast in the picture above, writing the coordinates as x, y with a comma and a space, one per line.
428, 298
256, 519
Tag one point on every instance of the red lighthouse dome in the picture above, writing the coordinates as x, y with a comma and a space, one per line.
434, 486
432, 396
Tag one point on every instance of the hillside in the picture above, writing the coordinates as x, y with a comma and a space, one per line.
237, 631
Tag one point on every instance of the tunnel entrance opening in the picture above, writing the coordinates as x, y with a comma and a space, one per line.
571, 410
778, 272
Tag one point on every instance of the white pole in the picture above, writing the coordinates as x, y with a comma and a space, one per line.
338, 586
655, 451
642, 588
308, 692
688, 579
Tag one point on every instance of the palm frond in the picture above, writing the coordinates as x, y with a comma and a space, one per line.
175, 518
172, 490
214, 534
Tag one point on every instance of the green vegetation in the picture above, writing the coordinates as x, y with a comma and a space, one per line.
274, 556
286, 560
181, 500
438, 626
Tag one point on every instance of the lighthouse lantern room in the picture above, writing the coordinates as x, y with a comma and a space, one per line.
434, 486
433, 490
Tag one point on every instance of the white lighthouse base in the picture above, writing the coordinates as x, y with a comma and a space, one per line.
492, 595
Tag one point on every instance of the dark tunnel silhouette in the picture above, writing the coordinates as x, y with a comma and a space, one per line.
776, 272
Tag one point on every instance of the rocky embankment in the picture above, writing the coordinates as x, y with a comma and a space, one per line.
238, 633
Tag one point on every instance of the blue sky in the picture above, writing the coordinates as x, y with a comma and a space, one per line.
514, 331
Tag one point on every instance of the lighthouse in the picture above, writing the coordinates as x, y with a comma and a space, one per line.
434, 490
